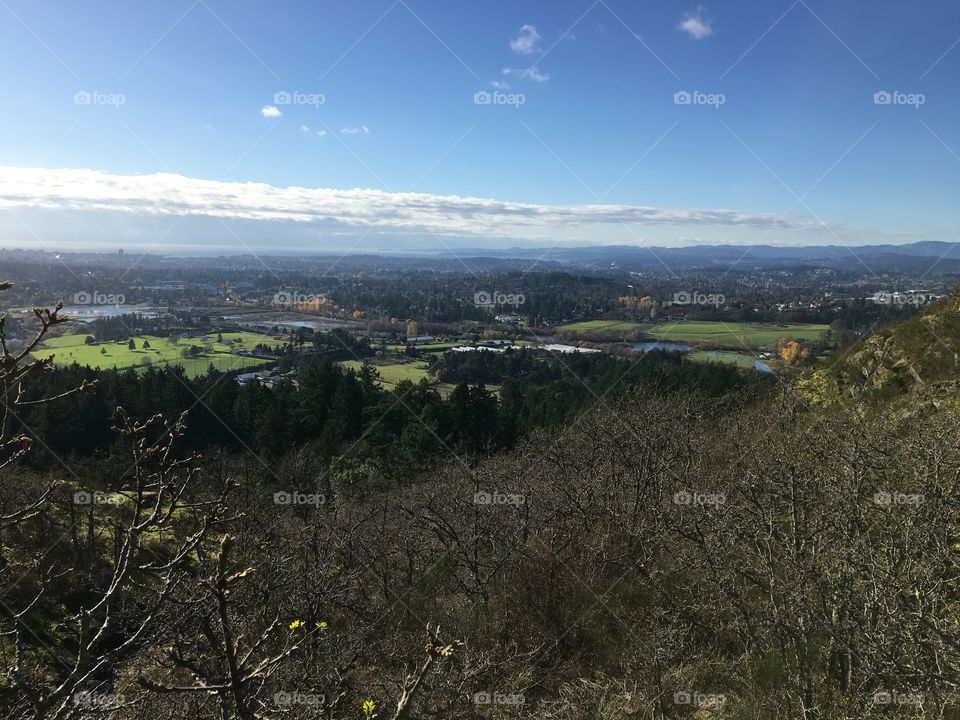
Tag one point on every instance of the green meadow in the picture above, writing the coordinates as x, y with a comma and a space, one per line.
747, 335
394, 371
69, 349
601, 326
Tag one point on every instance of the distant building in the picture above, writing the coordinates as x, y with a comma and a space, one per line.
420, 339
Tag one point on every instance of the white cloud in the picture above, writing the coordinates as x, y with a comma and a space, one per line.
270, 111
321, 133
530, 73
498, 85
355, 130
334, 210
526, 42
304, 129
696, 25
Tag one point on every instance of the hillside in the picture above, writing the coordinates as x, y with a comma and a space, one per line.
917, 358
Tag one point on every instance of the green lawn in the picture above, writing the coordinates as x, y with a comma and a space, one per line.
69, 349
736, 334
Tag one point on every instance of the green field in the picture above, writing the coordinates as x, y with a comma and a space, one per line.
731, 358
69, 349
601, 326
735, 334
392, 372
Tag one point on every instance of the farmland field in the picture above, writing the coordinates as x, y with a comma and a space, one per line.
69, 349
735, 334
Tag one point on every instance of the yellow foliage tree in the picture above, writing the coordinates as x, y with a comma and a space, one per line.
792, 352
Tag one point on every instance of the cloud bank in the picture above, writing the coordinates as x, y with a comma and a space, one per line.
360, 210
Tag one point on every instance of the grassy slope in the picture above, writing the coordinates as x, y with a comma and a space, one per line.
918, 356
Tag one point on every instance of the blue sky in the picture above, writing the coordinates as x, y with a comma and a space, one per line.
782, 106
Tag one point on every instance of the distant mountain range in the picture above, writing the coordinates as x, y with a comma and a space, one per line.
927, 258
942, 256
